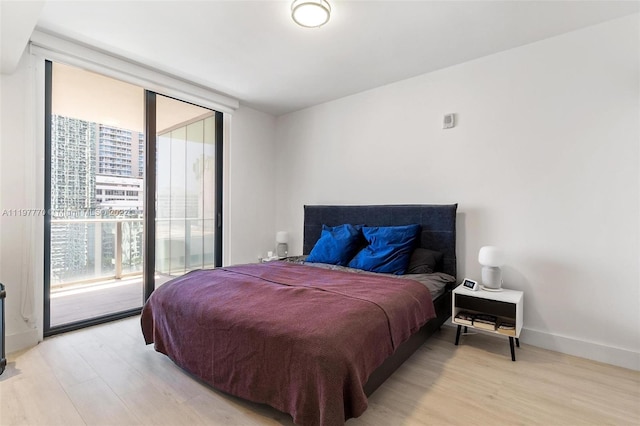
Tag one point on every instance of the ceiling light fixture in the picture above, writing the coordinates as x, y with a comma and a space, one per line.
310, 13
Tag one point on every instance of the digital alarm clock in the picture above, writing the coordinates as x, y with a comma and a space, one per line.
470, 284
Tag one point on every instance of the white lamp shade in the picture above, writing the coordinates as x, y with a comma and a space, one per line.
310, 13
282, 237
490, 256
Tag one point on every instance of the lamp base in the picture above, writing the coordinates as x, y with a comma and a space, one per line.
491, 278
282, 250
491, 289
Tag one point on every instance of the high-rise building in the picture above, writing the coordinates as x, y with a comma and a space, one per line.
120, 152
141, 151
73, 177
120, 168
73, 164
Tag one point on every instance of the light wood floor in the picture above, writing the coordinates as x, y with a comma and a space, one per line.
105, 375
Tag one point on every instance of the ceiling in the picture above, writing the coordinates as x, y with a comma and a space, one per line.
252, 50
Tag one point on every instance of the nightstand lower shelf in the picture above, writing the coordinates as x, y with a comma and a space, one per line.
511, 338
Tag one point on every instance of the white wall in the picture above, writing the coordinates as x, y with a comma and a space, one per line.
21, 237
249, 173
544, 162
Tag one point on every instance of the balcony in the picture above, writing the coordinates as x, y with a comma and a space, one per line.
96, 264
96, 268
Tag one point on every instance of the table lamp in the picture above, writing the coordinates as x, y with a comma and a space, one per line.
491, 259
282, 249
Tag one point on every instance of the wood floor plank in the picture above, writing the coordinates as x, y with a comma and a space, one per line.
53, 407
158, 371
65, 363
107, 375
111, 368
99, 405
30, 394
220, 409
156, 408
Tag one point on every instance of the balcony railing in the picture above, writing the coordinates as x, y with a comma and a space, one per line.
85, 251
88, 250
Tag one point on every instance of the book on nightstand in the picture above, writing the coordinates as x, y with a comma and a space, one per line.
486, 322
507, 328
464, 318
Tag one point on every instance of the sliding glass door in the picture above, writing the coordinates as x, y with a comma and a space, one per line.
133, 192
185, 231
95, 197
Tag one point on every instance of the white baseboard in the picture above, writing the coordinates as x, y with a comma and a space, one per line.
19, 341
590, 350
570, 346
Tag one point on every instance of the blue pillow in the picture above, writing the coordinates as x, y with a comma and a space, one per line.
389, 249
336, 245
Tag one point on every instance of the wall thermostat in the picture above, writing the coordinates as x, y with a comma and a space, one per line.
449, 121
470, 284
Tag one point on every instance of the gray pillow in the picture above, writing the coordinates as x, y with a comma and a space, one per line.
424, 261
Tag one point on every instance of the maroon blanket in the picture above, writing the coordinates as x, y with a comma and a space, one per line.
301, 339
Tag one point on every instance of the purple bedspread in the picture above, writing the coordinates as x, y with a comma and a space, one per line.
301, 339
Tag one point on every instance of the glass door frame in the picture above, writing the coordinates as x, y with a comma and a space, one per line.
149, 260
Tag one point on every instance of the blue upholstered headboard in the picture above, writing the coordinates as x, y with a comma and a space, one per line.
438, 224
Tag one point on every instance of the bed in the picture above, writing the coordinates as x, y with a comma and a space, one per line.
309, 340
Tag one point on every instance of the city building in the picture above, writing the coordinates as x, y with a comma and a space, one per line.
73, 165
96, 173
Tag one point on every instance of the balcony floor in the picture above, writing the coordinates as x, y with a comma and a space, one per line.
87, 301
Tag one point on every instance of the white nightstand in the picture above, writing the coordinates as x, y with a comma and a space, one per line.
505, 306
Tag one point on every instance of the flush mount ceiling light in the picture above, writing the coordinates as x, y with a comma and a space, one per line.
310, 13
